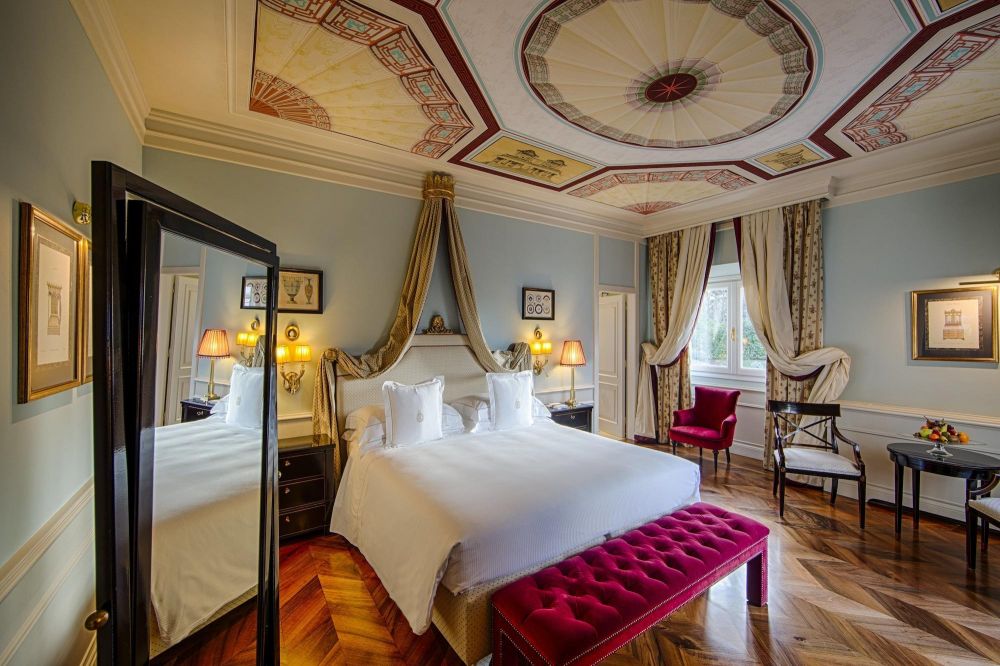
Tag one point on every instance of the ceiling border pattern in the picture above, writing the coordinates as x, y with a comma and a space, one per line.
723, 178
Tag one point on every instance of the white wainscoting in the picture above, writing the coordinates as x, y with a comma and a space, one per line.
47, 588
874, 426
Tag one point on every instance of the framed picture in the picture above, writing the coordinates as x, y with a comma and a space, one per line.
538, 303
50, 305
87, 318
254, 294
300, 290
955, 324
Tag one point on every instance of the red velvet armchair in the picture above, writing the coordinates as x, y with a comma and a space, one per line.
710, 424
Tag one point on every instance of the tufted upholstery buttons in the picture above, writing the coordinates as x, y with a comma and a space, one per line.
584, 607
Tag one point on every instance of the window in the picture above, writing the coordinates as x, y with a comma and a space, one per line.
724, 343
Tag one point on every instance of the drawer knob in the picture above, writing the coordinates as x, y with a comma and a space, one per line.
288, 463
288, 490
288, 520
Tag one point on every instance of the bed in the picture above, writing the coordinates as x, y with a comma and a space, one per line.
206, 517
445, 523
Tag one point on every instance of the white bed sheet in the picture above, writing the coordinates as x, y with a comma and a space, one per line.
206, 519
470, 509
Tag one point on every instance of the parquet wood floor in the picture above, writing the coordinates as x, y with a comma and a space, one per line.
837, 595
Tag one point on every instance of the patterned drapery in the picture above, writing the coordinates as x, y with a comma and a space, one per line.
438, 210
781, 263
678, 266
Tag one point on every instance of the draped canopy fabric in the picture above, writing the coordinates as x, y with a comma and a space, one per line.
438, 210
678, 265
782, 271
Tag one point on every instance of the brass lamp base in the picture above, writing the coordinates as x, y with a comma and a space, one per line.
572, 387
211, 395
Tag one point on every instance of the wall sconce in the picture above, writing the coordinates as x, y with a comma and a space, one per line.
247, 343
300, 354
995, 280
540, 348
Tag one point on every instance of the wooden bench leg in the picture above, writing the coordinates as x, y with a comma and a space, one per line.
757, 579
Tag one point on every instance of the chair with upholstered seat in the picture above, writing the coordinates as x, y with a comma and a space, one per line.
710, 424
981, 507
808, 445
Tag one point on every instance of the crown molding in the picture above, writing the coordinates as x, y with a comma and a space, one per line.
102, 30
950, 156
481, 192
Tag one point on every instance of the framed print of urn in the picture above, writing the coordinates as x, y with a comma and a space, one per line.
300, 290
957, 324
50, 343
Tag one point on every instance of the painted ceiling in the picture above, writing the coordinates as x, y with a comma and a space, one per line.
644, 105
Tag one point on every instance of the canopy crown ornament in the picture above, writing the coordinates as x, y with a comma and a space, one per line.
439, 184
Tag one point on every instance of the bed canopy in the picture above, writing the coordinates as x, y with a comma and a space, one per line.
438, 211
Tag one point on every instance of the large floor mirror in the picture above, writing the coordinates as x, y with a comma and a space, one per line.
185, 431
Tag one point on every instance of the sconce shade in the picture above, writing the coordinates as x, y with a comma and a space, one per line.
252, 339
241, 339
214, 343
539, 347
303, 353
572, 353
281, 354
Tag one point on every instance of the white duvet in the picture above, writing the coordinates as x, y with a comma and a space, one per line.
466, 510
206, 518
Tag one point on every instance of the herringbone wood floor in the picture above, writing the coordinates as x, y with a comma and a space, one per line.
837, 596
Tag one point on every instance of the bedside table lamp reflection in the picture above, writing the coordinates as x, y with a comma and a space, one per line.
214, 344
573, 356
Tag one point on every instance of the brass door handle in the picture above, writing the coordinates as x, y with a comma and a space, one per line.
96, 620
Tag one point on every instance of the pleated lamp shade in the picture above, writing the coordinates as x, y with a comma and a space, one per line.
572, 353
214, 343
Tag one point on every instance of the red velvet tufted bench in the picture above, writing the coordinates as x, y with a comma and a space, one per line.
586, 607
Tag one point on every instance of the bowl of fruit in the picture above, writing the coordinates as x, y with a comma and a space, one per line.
939, 432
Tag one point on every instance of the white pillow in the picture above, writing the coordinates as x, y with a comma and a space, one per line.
221, 406
413, 413
246, 397
511, 399
452, 422
475, 411
366, 426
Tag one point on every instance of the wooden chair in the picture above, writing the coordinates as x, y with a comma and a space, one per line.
980, 507
813, 459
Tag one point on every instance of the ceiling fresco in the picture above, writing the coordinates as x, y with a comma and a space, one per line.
644, 105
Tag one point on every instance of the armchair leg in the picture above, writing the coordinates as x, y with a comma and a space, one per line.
861, 501
728, 458
970, 538
833, 491
700, 452
715, 454
781, 495
774, 487
674, 445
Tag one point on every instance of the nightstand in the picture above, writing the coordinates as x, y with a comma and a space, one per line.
195, 409
579, 417
305, 486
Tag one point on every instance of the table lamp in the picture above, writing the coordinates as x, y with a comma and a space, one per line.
214, 344
572, 355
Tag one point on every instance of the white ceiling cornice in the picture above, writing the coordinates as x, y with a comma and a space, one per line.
99, 24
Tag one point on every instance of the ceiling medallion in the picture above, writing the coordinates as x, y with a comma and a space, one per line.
589, 62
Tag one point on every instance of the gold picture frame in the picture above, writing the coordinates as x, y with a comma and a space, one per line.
49, 322
957, 324
86, 336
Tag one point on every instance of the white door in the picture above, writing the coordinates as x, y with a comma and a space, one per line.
611, 364
181, 347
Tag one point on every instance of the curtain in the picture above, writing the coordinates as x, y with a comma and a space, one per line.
678, 269
438, 209
781, 264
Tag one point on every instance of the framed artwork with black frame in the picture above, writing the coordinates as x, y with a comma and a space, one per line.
50, 305
957, 324
300, 290
538, 303
254, 293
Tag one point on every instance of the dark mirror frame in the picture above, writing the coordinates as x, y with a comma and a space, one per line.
129, 216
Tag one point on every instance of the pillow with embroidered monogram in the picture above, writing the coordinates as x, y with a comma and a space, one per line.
246, 397
511, 399
413, 413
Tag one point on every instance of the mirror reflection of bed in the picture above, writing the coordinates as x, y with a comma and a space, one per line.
207, 460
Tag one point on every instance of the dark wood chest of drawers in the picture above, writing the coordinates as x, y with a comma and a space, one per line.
194, 409
578, 417
305, 487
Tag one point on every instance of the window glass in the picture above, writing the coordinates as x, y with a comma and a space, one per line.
752, 356
710, 342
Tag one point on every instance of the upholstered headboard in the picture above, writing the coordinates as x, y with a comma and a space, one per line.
428, 355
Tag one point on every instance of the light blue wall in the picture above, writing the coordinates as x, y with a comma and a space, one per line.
876, 252
362, 240
58, 112
616, 259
